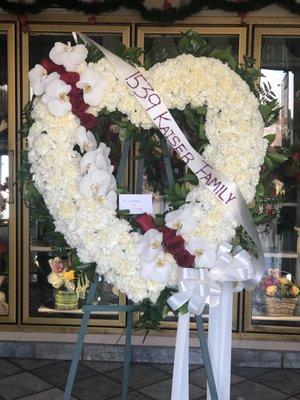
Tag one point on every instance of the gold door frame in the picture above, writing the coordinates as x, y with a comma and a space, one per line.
259, 32
241, 32
9, 30
125, 31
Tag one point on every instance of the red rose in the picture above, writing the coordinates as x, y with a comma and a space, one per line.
145, 222
71, 78
168, 234
87, 120
184, 259
51, 67
74, 92
78, 104
175, 246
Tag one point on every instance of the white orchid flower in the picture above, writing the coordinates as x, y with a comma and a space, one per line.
85, 139
39, 78
93, 86
181, 220
160, 269
150, 245
204, 250
97, 184
56, 97
110, 200
96, 159
71, 57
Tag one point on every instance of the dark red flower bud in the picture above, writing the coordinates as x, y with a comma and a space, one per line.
71, 78
50, 66
78, 104
87, 120
145, 222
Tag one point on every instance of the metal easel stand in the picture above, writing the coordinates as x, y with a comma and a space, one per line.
87, 309
129, 309
206, 359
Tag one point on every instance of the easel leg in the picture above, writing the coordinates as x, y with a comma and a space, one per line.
127, 355
206, 358
80, 339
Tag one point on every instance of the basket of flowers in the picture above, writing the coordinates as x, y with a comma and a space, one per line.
281, 296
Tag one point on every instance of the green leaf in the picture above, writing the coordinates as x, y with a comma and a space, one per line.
268, 163
270, 138
279, 158
260, 190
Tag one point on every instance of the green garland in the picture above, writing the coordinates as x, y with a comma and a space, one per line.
151, 14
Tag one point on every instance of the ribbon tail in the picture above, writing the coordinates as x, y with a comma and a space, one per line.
180, 383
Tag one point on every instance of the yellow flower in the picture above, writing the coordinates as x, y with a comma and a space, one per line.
271, 290
295, 290
283, 281
69, 275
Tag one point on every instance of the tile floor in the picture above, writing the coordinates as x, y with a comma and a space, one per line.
27, 379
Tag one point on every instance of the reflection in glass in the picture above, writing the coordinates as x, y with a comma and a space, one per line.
280, 63
4, 172
44, 301
160, 47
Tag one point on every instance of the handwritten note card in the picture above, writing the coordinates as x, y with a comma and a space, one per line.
136, 203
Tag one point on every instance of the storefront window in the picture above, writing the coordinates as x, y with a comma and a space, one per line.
4, 178
280, 66
44, 299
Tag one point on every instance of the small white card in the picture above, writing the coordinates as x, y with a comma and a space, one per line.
136, 203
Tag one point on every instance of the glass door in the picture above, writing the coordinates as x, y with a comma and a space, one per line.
7, 174
159, 43
39, 305
277, 53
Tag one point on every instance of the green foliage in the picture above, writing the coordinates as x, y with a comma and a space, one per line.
176, 195
130, 54
152, 314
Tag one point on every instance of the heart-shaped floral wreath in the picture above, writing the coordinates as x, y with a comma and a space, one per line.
72, 170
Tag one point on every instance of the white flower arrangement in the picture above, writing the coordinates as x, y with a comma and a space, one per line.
85, 209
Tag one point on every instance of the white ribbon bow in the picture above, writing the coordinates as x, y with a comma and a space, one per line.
198, 287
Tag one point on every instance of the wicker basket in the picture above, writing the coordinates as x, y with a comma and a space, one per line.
280, 307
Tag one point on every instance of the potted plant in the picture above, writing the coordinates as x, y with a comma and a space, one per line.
281, 296
63, 279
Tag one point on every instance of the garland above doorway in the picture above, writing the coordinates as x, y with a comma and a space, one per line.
158, 14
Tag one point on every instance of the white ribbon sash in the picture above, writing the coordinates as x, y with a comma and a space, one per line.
198, 287
223, 188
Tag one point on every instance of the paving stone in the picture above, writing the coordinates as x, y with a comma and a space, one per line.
57, 374
169, 367
140, 375
249, 390
17, 349
133, 396
31, 363
249, 372
54, 351
52, 394
291, 359
256, 358
96, 387
198, 377
7, 368
281, 379
102, 366
103, 352
20, 385
153, 354
162, 390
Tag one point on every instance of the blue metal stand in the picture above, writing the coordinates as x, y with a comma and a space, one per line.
206, 359
87, 309
129, 309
